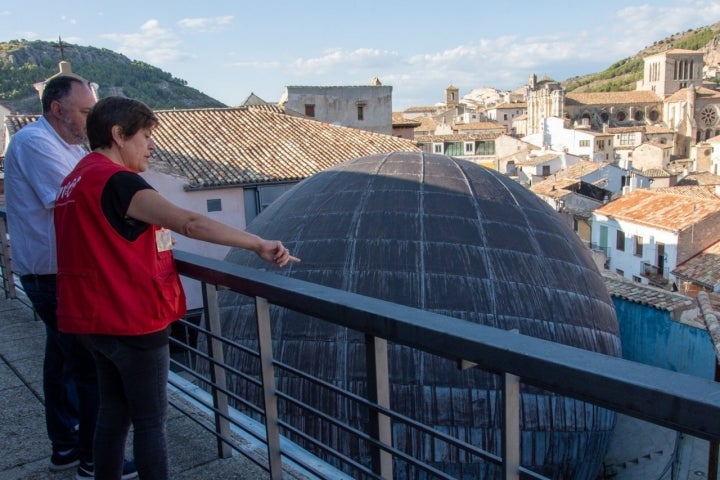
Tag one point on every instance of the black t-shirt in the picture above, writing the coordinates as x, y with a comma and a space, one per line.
115, 201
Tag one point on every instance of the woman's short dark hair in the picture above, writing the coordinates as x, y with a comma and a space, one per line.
130, 115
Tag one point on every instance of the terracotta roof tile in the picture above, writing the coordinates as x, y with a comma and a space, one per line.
235, 146
700, 93
660, 210
399, 120
703, 268
700, 178
248, 145
647, 295
697, 191
456, 137
607, 98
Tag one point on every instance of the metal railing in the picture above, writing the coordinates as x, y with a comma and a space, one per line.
684, 403
680, 402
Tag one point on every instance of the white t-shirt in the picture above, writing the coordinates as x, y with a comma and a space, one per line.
36, 162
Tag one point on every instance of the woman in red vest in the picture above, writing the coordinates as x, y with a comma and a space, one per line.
118, 288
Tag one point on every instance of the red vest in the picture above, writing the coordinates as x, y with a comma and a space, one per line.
107, 284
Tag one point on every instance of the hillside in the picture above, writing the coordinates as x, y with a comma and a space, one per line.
23, 63
624, 74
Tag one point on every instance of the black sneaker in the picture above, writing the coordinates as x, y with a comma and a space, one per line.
87, 470
62, 460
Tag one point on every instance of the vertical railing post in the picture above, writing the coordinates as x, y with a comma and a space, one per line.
217, 371
272, 428
511, 427
379, 392
6, 261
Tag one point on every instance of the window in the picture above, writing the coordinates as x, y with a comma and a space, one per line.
214, 205
485, 147
545, 170
584, 143
620, 116
638, 246
620, 240
438, 148
637, 279
310, 110
627, 139
361, 111
454, 149
601, 144
469, 148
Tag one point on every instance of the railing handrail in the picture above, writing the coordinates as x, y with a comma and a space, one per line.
681, 402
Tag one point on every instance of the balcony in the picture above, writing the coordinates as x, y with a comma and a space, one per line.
654, 274
685, 404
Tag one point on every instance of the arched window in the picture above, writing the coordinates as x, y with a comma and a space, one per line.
639, 116
620, 116
654, 115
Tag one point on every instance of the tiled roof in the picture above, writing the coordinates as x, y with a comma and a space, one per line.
697, 191
660, 210
580, 169
703, 268
267, 107
420, 109
658, 129
646, 295
16, 122
538, 159
235, 146
509, 106
700, 178
656, 173
426, 124
457, 137
607, 98
479, 126
248, 145
399, 120
701, 93
631, 129
554, 187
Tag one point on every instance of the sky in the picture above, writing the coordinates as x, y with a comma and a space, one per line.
231, 49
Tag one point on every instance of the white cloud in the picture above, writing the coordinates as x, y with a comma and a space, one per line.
28, 35
649, 23
206, 24
154, 44
339, 60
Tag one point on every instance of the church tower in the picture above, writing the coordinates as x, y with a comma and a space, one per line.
545, 98
452, 97
670, 71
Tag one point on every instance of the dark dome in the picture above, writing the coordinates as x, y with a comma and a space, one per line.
448, 236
